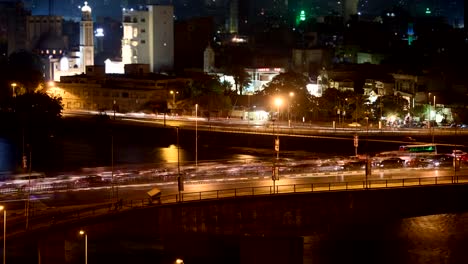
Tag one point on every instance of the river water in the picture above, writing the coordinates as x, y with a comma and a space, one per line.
435, 239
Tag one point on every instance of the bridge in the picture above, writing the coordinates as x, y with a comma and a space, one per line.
247, 220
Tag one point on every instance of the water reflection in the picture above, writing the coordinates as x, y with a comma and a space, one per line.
416, 240
436, 238
6, 154
169, 155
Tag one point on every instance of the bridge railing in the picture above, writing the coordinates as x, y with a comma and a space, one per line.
312, 187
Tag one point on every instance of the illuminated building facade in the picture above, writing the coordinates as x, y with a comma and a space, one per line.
45, 34
129, 92
148, 37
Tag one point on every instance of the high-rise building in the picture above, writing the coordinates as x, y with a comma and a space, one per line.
13, 17
350, 8
148, 37
234, 16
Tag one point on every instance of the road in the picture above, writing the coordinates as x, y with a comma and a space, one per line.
137, 191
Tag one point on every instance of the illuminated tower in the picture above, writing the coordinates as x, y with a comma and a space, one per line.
349, 8
86, 37
234, 16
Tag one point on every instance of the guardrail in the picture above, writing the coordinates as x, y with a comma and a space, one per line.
312, 187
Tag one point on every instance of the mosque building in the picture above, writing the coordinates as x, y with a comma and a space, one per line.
46, 39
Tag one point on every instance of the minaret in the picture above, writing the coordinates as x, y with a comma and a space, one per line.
208, 59
86, 37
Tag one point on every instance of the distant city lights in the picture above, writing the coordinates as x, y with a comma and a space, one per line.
99, 32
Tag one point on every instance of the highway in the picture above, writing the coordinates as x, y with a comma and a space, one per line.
135, 184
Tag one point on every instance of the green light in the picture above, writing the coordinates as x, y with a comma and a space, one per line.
302, 16
428, 11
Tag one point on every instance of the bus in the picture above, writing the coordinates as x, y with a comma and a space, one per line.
424, 149
407, 153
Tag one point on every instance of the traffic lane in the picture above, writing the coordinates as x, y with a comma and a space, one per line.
139, 192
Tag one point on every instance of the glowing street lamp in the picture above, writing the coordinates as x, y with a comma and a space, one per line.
278, 103
13, 89
83, 233
2, 208
173, 96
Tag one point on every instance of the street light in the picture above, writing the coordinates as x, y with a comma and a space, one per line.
13, 88
278, 103
180, 180
2, 208
291, 95
173, 96
196, 136
82, 232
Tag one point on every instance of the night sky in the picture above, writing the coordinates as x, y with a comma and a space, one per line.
451, 9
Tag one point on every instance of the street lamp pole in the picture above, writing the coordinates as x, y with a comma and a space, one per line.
435, 116
112, 166
180, 181
291, 95
196, 136
86, 245
13, 88
278, 102
29, 187
2, 208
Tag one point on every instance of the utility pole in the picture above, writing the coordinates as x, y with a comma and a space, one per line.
29, 189
180, 180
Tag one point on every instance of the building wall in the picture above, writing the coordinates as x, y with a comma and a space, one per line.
161, 21
97, 91
135, 42
40, 25
148, 37
13, 18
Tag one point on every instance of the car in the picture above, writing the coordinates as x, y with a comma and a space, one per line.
392, 163
410, 139
354, 124
355, 165
90, 181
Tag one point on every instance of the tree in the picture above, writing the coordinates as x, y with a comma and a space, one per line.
301, 102
207, 91
241, 78
25, 69
33, 119
391, 105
